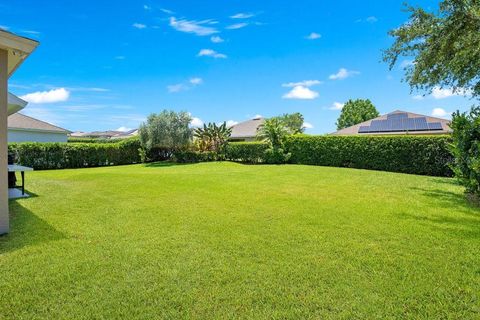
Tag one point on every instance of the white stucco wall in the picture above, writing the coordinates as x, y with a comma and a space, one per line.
35, 136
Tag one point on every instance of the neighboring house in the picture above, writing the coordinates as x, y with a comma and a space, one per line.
399, 123
22, 128
247, 130
110, 134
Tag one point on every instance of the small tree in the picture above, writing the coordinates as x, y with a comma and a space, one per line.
293, 122
212, 137
356, 111
163, 133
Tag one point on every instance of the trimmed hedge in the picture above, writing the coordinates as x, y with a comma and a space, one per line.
424, 155
188, 156
249, 152
43, 156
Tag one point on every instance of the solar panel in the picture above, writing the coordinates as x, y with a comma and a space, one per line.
400, 122
435, 126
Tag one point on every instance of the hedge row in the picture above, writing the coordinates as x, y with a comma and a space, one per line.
42, 156
424, 155
248, 152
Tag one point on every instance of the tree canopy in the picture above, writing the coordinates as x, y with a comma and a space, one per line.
356, 111
167, 129
293, 122
445, 46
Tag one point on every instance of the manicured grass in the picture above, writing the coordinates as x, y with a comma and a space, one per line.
224, 240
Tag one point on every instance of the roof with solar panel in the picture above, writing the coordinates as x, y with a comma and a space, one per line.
399, 122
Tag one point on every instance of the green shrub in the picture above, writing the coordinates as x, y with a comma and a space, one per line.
43, 156
426, 155
276, 156
249, 152
189, 156
95, 140
466, 149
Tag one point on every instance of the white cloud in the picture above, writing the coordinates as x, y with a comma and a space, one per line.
337, 106
166, 11
147, 7
231, 123
242, 16
257, 116
301, 93
307, 125
123, 129
174, 88
442, 93
139, 25
196, 81
196, 122
216, 39
52, 96
237, 26
343, 74
191, 26
418, 97
211, 53
372, 19
313, 36
304, 83
439, 112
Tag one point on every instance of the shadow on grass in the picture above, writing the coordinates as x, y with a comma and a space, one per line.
26, 229
164, 164
461, 217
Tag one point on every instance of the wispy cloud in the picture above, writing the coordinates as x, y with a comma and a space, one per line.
88, 89
337, 106
211, 53
371, 19
216, 39
120, 58
242, 15
343, 74
4, 27
138, 25
179, 87
301, 93
51, 96
237, 26
418, 97
313, 36
231, 123
196, 122
167, 11
147, 7
123, 129
199, 28
304, 83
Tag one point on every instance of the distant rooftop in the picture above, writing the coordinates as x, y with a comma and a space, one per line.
246, 129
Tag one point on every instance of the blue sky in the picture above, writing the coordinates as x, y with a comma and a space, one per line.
108, 64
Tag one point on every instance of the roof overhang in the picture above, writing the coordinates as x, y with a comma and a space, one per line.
18, 48
15, 104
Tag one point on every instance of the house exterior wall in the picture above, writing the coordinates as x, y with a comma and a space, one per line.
17, 135
4, 219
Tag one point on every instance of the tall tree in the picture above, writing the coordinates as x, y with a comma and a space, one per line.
445, 46
356, 111
293, 122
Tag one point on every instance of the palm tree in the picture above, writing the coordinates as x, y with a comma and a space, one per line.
273, 131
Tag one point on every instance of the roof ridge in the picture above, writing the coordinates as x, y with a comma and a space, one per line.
35, 119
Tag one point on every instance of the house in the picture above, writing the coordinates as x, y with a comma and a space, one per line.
247, 130
109, 134
13, 51
399, 123
22, 128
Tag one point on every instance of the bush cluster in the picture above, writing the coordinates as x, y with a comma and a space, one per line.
43, 156
424, 155
189, 156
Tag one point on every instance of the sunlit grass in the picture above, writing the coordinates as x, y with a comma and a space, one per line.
223, 240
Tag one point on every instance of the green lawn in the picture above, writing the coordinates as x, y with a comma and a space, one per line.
224, 240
